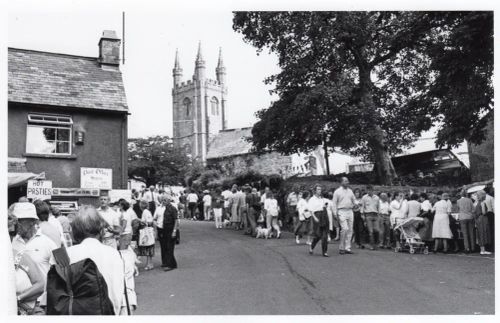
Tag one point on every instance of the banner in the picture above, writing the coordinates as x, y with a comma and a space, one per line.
101, 178
39, 189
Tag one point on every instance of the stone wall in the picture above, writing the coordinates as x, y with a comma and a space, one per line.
266, 164
482, 157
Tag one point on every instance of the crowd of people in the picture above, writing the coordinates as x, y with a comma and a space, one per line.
367, 218
114, 236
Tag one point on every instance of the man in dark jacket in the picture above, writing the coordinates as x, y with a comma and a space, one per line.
170, 226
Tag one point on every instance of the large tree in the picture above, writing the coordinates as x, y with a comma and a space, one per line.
370, 82
156, 160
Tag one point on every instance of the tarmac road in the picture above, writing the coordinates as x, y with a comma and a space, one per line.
225, 272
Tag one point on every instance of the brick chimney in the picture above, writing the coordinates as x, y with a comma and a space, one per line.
109, 49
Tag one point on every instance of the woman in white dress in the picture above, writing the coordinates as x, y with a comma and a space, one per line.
441, 225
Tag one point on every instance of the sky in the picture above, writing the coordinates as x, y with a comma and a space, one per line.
152, 35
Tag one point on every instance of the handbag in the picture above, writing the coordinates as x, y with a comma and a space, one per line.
146, 237
261, 218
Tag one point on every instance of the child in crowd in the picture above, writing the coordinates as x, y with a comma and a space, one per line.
272, 211
130, 262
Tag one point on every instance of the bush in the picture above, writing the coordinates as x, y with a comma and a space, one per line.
208, 175
250, 177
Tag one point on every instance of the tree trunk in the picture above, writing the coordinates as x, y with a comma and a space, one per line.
327, 162
376, 136
384, 167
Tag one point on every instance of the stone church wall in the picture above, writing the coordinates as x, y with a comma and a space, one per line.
267, 164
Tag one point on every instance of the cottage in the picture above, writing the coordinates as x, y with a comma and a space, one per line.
67, 122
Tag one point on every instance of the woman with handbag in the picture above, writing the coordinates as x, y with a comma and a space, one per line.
146, 236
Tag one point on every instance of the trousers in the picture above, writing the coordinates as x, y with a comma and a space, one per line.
384, 232
346, 219
251, 220
320, 230
372, 226
359, 228
468, 231
218, 217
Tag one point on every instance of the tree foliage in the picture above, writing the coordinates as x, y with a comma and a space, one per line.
156, 160
371, 82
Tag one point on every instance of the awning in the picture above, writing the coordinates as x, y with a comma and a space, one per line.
18, 179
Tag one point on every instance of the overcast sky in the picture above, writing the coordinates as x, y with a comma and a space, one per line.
152, 35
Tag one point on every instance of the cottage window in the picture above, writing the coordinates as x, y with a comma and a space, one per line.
48, 134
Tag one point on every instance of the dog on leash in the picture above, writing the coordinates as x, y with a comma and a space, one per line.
226, 223
263, 233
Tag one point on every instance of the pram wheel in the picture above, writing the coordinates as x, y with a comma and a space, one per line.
412, 251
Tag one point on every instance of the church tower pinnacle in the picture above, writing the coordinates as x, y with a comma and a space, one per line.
177, 70
199, 70
220, 71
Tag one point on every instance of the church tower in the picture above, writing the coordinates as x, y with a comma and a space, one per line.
199, 106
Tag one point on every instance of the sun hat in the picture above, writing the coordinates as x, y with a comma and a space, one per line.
25, 210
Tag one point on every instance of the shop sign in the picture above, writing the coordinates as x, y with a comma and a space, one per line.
92, 192
100, 178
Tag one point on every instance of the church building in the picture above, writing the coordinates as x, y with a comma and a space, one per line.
199, 107
200, 129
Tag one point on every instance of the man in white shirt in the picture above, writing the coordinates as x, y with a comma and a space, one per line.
489, 205
226, 194
112, 219
384, 223
87, 230
316, 205
30, 238
152, 197
369, 212
343, 203
207, 205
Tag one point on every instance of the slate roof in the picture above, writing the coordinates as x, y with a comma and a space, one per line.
63, 80
230, 143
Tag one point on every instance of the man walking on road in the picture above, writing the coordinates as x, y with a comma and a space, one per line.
317, 207
369, 212
343, 203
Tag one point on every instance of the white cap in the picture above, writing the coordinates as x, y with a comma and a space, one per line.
25, 210
476, 188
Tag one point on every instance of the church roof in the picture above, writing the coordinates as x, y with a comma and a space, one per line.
230, 142
63, 80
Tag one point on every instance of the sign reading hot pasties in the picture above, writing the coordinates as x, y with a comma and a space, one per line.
39, 189
101, 178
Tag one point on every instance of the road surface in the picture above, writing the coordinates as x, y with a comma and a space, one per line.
225, 272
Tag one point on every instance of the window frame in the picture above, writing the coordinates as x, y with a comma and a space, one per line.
42, 121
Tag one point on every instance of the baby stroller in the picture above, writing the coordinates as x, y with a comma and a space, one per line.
409, 238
